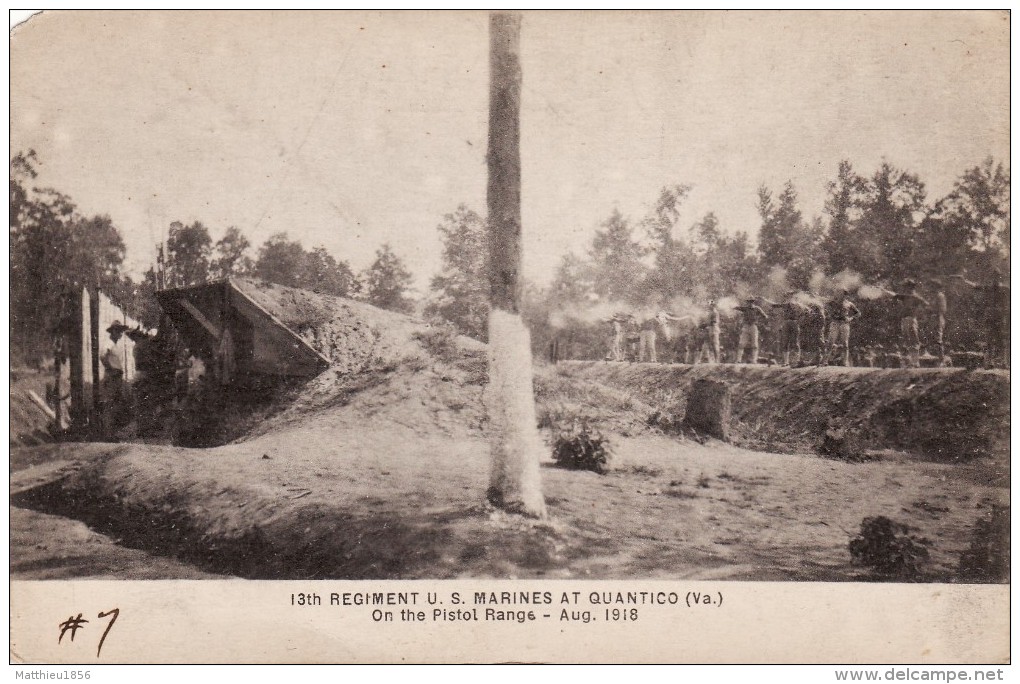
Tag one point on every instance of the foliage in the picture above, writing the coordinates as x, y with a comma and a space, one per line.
55, 252
188, 254
387, 282
460, 292
785, 239
323, 273
286, 262
580, 448
887, 231
440, 342
890, 548
843, 207
667, 423
232, 255
673, 270
980, 201
617, 258
281, 261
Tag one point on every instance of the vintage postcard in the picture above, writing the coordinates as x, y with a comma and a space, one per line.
478, 337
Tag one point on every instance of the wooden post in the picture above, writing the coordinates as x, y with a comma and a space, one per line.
709, 408
96, 422
515, 482
58, 365
504, 190
77, 365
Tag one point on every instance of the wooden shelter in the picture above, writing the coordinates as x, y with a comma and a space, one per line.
221, 324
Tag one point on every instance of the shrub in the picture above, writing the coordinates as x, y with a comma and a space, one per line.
987, 559
667, 423
843, 444
581, 449
440, 341
890, 548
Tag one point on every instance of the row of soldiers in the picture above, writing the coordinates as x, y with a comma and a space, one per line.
800, 311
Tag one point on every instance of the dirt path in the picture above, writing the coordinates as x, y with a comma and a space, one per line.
55, 547
47, 546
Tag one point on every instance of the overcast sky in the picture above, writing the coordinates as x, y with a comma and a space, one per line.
350, 130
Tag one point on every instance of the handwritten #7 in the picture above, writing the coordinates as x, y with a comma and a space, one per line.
73, 624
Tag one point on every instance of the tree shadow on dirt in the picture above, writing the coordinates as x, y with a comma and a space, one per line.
342, 547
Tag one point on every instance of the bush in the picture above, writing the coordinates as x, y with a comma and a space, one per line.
843, 444
440, 341
581, 449
888, 547
987, 559
667, 423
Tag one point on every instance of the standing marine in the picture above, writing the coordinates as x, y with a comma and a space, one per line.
911, 306
751, 314
842, 312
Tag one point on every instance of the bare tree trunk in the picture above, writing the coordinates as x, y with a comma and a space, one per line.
515, 483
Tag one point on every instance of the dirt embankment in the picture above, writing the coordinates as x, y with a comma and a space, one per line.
943, 414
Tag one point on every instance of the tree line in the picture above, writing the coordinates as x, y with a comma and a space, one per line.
56, 251
880, 227
190, 257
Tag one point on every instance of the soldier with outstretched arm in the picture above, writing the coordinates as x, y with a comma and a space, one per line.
995, 310
619, 322
794, 313
911, 305
650, 328
751, 314
713, 331
842, 312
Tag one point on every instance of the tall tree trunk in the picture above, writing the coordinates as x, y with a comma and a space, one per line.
515, 482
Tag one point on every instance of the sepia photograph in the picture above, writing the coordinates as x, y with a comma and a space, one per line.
512, 304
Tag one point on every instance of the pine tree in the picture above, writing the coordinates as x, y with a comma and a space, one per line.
460, 292
387, 282
232, 255
618, 268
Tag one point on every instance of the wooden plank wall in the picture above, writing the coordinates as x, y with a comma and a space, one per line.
87, 342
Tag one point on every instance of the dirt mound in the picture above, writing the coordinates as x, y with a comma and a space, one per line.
944, 414
389, 369
387, 366
353, 336
28, 424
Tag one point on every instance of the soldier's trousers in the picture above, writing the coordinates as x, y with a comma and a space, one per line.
940, 338
790, 342
839, 339
748, 340
646, 346
616, 347
911, 340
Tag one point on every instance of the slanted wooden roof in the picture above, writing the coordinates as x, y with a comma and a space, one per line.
265, 345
